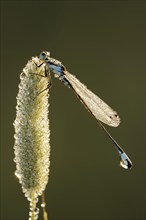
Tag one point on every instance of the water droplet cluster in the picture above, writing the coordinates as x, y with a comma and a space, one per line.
32, 134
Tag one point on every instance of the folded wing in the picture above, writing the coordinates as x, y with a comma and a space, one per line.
93, 103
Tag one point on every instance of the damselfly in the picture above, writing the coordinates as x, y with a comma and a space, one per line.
98, 108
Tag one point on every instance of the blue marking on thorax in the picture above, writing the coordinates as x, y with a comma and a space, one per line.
55, 69
59, 71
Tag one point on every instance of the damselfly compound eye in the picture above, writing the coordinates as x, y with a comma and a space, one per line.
42, 56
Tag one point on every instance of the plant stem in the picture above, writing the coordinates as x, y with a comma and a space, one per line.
45, 214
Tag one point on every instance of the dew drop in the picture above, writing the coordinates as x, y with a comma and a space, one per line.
43, 204
17, 174
125, 162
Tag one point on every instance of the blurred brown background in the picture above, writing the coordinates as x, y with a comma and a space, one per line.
102, 43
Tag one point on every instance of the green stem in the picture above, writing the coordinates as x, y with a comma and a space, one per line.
45, 214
